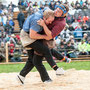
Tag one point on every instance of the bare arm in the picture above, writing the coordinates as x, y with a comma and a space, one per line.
34, 35
47, 31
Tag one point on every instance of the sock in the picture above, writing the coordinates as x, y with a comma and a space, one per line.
55, 68
63, 58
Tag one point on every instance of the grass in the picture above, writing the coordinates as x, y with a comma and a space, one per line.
84, 65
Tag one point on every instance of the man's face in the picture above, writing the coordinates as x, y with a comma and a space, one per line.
49, 20
58, 12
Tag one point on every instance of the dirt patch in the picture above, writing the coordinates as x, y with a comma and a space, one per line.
72, 80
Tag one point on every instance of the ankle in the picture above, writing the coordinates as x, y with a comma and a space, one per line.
55, 67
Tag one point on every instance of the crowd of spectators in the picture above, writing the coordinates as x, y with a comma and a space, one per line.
74, 40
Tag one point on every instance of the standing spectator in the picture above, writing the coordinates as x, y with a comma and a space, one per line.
21, 19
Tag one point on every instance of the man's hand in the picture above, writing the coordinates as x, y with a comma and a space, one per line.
41, 22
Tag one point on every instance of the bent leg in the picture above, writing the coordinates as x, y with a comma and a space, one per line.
39, 47
56, 54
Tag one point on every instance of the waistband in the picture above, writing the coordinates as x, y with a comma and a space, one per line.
25, 31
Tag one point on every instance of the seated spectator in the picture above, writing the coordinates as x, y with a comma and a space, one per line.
2, 51
36, 7
1, 26
84, 7
21, 5
72, 4
69, 19
30, 10
82, 47
65, 34
7, 38
61, 49
70, 27
57, 41
1, 18
11, 49
8, 28
16, 55
78, 32
85, 18
81, 2
85, 37
11, 22
70, 50
2, 36
1, 6
11, 6
24, 52
88, 46
12, 39
51, 5
4, 19
77, 5
75, 24
88, 23
84, 28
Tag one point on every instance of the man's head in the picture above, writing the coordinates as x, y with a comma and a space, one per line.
61, 10
48, 16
